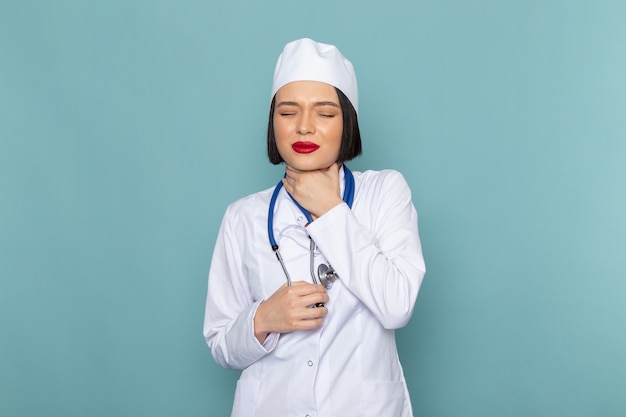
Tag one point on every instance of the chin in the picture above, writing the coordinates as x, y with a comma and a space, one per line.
308, 165
304, 167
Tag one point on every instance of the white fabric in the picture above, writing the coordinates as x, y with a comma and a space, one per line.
307, 60
349, 366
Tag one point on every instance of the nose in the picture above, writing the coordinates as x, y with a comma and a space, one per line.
305, 124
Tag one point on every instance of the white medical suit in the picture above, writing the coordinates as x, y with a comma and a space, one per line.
349, 366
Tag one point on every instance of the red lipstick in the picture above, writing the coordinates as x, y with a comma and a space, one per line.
304, 147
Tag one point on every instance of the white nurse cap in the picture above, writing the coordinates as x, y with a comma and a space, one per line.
307, 60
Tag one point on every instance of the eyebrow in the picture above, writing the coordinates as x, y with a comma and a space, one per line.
319, 103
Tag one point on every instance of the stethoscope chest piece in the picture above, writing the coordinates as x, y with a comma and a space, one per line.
327, 275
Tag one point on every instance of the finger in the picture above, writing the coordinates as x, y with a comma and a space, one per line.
307, 312
314, 299
309, 324
303, 283
314, 313
303, 288
291, 169
300, 283
287, 184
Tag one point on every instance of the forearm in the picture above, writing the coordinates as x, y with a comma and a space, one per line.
381, 264
232, 341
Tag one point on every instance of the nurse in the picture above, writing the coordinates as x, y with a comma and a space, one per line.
310, 278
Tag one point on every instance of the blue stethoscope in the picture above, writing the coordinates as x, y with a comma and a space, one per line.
326, 273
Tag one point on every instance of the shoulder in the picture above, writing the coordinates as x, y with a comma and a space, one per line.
387, 180
382, 175
250, 206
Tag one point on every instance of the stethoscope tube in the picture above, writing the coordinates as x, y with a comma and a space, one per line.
311, 260
282, 263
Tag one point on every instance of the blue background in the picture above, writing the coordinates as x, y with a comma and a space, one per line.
126, 128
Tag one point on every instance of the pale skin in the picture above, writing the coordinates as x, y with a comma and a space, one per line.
309, 112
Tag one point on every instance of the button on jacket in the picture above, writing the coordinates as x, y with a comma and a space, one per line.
349, 366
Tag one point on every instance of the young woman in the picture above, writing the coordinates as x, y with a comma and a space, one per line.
310, 278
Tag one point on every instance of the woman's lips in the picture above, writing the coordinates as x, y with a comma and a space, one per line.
304, 147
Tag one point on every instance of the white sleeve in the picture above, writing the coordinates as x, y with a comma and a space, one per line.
380, 261
230, 308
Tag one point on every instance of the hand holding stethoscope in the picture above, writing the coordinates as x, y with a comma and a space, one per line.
288, 309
